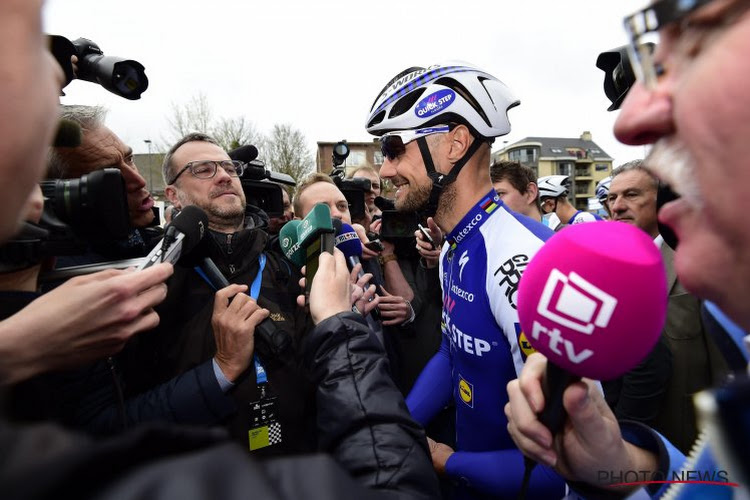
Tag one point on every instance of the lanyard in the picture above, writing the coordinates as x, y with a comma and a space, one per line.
260, 372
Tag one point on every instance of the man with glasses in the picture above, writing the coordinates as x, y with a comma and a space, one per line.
271, 399
436, 126
691, 100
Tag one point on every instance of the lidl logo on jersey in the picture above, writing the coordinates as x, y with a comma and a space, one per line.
523, 344
465, 391
462, 341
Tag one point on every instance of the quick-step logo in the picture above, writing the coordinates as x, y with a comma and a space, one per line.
434, 103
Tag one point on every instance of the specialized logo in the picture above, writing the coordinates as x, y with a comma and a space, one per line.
459, 292
466, 391
575, 303
467, 229
434, 103
348, 236
523, 343
511, 271
462, 341
461, 263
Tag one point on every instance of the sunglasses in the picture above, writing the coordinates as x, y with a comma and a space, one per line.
393, 144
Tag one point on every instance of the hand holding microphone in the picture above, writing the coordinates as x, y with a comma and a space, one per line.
595, 310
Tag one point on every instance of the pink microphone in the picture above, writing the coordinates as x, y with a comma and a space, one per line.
593, 300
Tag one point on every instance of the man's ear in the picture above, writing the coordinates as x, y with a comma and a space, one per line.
460, 139
532, 191
171, 193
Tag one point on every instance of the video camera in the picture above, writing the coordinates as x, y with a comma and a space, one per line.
354, 189
77, 212
261, 186
124, 77
618, 74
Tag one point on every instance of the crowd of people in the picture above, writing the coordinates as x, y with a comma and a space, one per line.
403, 374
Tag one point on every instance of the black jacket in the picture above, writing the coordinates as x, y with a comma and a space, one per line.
363, 423
184, 338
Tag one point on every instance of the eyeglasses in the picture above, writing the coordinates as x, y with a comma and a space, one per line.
643, 29
206, 169
393, 144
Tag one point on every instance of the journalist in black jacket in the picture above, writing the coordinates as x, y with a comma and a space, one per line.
375, 450
183, 343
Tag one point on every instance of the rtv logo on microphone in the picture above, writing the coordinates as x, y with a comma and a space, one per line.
575, 304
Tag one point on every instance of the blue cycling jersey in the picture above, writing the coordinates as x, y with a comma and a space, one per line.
483, 348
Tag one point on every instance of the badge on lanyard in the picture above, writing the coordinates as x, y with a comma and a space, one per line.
265, 428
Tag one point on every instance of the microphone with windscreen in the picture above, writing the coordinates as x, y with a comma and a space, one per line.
289, 243
593, 300
349, 243
180, 237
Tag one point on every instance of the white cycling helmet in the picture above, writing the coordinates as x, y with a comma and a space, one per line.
420, 97
417, 101
552, 186
602, 189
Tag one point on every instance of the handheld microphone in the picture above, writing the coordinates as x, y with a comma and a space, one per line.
271, 341
315, 235
350, 245
290, 244
593, 300
180, 236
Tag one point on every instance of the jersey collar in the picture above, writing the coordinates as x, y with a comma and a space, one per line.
474, 219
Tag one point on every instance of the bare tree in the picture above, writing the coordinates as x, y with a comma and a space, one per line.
192, 116
287, 152
232, 133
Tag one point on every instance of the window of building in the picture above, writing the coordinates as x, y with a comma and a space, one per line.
602, 167
377, 157
564, 168
356, 159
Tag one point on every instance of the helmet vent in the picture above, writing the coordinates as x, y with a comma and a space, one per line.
405, 103
377, 119
461, 90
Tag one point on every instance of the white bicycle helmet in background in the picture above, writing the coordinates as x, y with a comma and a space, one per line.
602, 189
552, 186
419, 98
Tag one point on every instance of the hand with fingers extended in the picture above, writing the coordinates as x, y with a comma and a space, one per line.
394, 309
363, 296
235, 317
430, 255
84, 319
590, 440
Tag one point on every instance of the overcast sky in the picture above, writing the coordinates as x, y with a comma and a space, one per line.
319, 65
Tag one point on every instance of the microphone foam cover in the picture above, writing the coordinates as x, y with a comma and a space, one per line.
244, 153
289, 243
192, 221
593, 299
348, 242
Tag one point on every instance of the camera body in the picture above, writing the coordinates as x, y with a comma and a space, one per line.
262, 187
77, 213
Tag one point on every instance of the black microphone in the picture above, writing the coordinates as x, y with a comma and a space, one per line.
244, 154
270, 340
349, 243
180, 236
